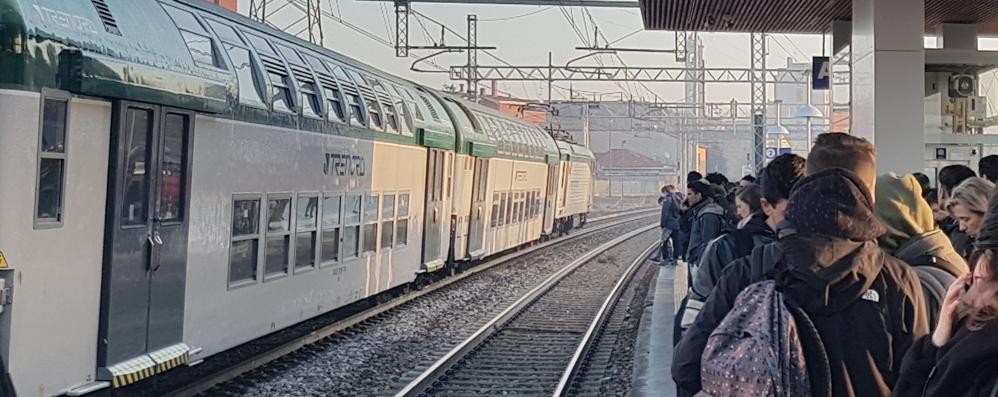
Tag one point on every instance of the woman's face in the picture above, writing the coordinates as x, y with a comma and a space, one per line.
983, 291
742, 209
970, 221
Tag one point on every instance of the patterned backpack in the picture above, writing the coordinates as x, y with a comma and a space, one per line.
757, 350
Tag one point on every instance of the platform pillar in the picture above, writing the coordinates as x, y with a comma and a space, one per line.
888, 81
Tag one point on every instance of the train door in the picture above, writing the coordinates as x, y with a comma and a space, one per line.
550, 198
476, 232
145, 250
436, 229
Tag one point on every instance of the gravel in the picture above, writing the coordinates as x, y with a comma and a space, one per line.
382, 354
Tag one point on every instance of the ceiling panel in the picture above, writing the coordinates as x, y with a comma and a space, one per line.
795, 16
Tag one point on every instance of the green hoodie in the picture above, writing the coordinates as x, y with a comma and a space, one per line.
902, 210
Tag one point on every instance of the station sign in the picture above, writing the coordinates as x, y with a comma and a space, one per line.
772, 152
821, 73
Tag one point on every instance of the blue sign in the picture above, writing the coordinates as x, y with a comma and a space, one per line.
772, 152
821, 73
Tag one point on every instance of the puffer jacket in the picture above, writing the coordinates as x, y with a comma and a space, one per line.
718, 254
707, 223
967, 366
867, 306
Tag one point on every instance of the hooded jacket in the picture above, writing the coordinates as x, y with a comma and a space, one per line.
912, 235
669, 218
707, 223
911, 231
967, 366
867, 306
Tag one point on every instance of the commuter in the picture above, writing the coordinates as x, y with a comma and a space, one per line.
827, 273
776, 179
867, 307
747, 180
988, 167
912, 236
968, 204
748, 201
961, 357
761, 203
685, 218
717, 178
669, 221
707, 218
949, 178
939, 213
923, 181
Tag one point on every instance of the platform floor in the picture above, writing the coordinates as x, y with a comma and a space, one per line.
653, 353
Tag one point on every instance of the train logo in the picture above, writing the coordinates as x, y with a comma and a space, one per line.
344, 165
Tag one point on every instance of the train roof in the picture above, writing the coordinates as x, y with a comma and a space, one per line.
575, 152
181, 54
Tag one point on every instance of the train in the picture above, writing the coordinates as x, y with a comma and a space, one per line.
196, 180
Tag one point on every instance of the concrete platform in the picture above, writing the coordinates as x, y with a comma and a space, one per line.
653, 353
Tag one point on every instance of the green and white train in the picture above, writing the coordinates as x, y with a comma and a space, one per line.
178, 180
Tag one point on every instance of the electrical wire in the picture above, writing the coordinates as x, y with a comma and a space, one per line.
517, 16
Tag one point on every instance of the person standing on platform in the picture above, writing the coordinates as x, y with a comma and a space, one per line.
686, 219
988, 167
668, 222
708, 219
949, 178
968, 204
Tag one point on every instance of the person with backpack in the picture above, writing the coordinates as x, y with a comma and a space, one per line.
776, 180
854, 156
912, 236
708, 219
867, 307
960, 359
668, 221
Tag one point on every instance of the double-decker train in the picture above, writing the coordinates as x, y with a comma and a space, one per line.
178, 180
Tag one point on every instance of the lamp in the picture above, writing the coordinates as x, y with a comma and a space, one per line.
809, 112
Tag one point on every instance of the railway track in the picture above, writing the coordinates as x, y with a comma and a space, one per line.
227, 372
537, 345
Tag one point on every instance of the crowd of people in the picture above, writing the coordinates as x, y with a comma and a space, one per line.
821, 278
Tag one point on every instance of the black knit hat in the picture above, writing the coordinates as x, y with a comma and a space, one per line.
833, 203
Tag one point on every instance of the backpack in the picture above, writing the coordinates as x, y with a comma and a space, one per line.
935, 282
763, 347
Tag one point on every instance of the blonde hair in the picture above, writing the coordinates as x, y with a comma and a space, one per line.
973, 194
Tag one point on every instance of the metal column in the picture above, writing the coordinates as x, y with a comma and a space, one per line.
473, 55
759, 98
402, 28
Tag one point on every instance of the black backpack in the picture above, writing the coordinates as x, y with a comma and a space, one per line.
935, 282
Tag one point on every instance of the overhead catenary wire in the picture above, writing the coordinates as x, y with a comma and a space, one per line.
510, 18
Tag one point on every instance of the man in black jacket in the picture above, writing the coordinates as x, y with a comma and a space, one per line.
777, 179
685, 219
824, 271
708, 218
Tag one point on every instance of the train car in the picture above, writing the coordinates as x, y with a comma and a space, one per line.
575, 185
196, 180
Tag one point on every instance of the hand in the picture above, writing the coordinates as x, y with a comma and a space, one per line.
949, 309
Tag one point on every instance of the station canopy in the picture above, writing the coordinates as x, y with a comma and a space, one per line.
796, 16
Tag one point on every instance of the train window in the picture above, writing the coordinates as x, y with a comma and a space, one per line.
335, 103
261, 45
246, 78
330, 251
393, 122
371, 206
280, 92
509, 207
402, 222
199, 43
306, 233
173, 167
502, 209
290, 55
356, 109
139, 124
495, 210
529, 203
417, 112
224, 32
374, 113
387, 220
278, 236
245, 244
351, 233
51, 162
429, 106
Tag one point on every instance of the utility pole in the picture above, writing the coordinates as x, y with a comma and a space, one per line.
473, 56
759, 98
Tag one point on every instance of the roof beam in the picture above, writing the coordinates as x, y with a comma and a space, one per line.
633, 74
565, 3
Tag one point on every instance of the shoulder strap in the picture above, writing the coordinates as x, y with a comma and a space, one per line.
744, 243
937, 280
818, 368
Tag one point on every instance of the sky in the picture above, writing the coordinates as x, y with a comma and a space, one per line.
524, 35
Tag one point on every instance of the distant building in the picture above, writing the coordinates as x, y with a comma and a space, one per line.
515, 107
230, 4
622, 172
